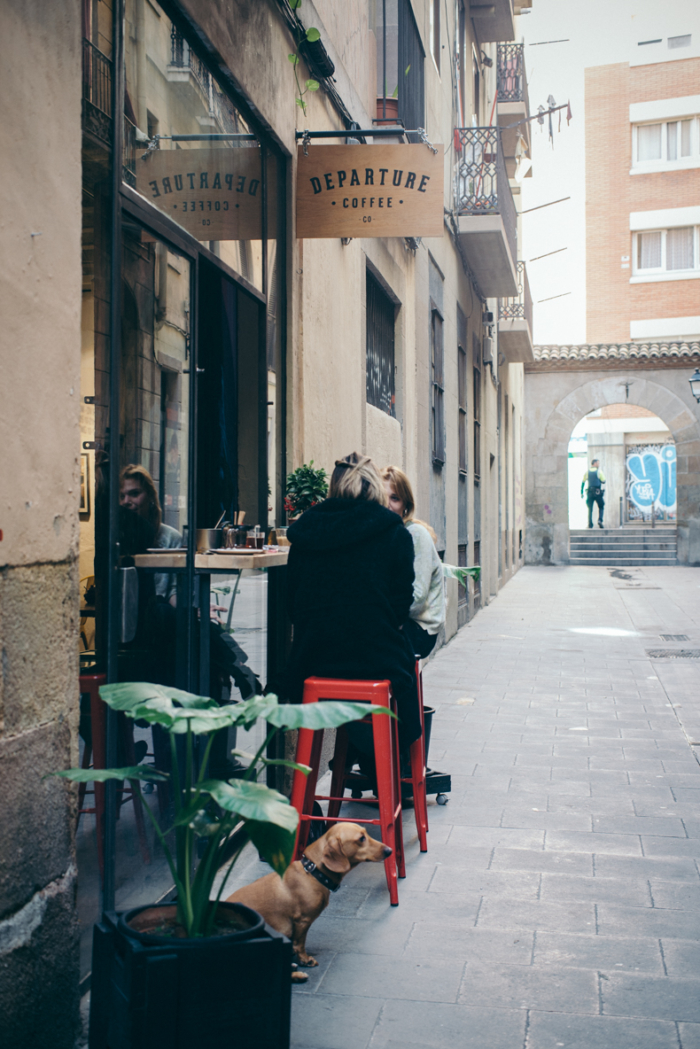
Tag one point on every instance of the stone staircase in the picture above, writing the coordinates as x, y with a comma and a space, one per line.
623, 547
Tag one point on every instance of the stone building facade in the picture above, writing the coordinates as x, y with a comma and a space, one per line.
194, 356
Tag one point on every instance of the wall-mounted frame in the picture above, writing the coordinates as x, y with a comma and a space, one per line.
84, 507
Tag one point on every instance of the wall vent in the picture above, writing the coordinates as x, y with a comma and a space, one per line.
673, 653
674, 637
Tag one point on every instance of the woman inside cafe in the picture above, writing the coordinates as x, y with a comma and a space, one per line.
350, 589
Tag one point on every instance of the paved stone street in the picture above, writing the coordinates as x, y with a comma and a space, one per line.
559, 902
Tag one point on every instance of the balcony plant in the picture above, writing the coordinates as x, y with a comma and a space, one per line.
193, 969
305, 487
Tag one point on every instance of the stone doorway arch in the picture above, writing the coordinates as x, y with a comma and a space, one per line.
555, 401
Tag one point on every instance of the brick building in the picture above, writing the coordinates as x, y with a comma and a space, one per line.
643, 193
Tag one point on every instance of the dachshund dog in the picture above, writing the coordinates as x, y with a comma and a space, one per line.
290, 904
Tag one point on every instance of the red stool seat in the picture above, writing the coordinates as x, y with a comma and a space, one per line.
386, 756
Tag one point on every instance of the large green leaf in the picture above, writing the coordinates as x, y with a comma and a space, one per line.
328, 714
172, 708
273, 842
253, 801
144, 772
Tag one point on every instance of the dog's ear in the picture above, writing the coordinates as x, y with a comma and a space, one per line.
333, 856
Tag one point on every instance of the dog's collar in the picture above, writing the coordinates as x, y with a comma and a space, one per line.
311, 868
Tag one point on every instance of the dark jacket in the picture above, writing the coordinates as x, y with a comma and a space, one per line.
349, 589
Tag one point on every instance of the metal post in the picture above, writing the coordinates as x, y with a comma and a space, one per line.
621, 512
114, 588
653, 517
384, 59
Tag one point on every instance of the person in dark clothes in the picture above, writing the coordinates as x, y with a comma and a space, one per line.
350, 589
595, 480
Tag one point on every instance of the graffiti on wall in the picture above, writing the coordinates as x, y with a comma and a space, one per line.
651, 481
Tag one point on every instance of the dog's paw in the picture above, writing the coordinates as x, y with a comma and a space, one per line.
298, 977
307, 961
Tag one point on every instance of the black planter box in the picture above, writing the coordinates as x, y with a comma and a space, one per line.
219, 993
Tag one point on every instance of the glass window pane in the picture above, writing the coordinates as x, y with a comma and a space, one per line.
649, 142
686, 132
202, 166
672, 140
649, 250
679, 249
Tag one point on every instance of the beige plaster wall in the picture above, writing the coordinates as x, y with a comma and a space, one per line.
40, 303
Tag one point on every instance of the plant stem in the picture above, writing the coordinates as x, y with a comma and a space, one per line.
252, 767
161, 837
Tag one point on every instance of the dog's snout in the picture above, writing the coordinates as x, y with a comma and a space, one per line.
387, 851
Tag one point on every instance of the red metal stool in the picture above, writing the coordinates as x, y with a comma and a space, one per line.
386, 756
90, 684
418, 771
417, 779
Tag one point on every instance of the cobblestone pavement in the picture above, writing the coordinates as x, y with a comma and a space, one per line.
559, 902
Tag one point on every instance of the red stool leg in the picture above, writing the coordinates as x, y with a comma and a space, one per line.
338, 777
396, 780
419, 798
305, 746
388, 803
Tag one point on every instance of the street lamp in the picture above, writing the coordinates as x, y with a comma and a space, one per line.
694, 381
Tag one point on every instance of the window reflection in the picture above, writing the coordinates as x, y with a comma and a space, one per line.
187, 149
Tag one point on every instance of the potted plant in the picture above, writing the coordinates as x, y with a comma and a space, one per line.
201, 971
305, 487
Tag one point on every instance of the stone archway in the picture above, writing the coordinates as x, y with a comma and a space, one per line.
555, 402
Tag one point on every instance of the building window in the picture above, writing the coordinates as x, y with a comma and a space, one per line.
663, 251
462, 406
680, 41
668, 143
437, 363
477, 423
380, 347
435, 32
461, 563
477, 580
410, 72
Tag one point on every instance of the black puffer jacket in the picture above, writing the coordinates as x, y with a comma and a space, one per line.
349, 589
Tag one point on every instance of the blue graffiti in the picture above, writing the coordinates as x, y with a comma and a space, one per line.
652, 478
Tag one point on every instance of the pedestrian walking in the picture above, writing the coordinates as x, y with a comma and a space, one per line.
595, 480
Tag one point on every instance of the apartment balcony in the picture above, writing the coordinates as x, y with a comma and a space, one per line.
97, 93
494, 21
513, 101
487, 218
515, 322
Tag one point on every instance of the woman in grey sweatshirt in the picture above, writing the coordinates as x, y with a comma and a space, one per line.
427, 612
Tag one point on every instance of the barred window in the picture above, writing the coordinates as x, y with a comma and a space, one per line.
380, 347
411, 71
477, 422
437, 361
462, 399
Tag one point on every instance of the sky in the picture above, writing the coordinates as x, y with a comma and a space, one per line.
597, 32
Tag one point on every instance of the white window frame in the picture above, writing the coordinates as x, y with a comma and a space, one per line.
659, 273
663, 163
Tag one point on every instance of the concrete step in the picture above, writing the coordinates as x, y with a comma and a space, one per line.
621, 562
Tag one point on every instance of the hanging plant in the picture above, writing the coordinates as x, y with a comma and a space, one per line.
310, 48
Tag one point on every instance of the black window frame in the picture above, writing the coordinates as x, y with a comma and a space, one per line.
380, 351
437, 378
411, 71
462, 407
476, 379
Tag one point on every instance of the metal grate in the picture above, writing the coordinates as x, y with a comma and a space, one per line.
519, 307
673, 653
380, 347
510, 61
482, 186
674, 637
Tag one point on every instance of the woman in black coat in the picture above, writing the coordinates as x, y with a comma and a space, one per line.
350, 588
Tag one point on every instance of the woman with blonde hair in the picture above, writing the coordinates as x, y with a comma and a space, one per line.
350, 588
427, 613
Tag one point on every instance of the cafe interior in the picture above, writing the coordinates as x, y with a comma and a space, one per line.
182, 420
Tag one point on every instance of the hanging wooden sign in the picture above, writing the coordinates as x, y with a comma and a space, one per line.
370, 191
216, 194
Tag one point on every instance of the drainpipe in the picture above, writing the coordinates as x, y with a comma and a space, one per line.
140, 30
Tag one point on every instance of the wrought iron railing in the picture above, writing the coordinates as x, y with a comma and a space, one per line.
97, 92
181, 57
129, 163
519, 307
510, 70
482, 186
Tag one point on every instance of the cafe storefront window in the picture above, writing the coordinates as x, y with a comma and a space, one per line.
183, 392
